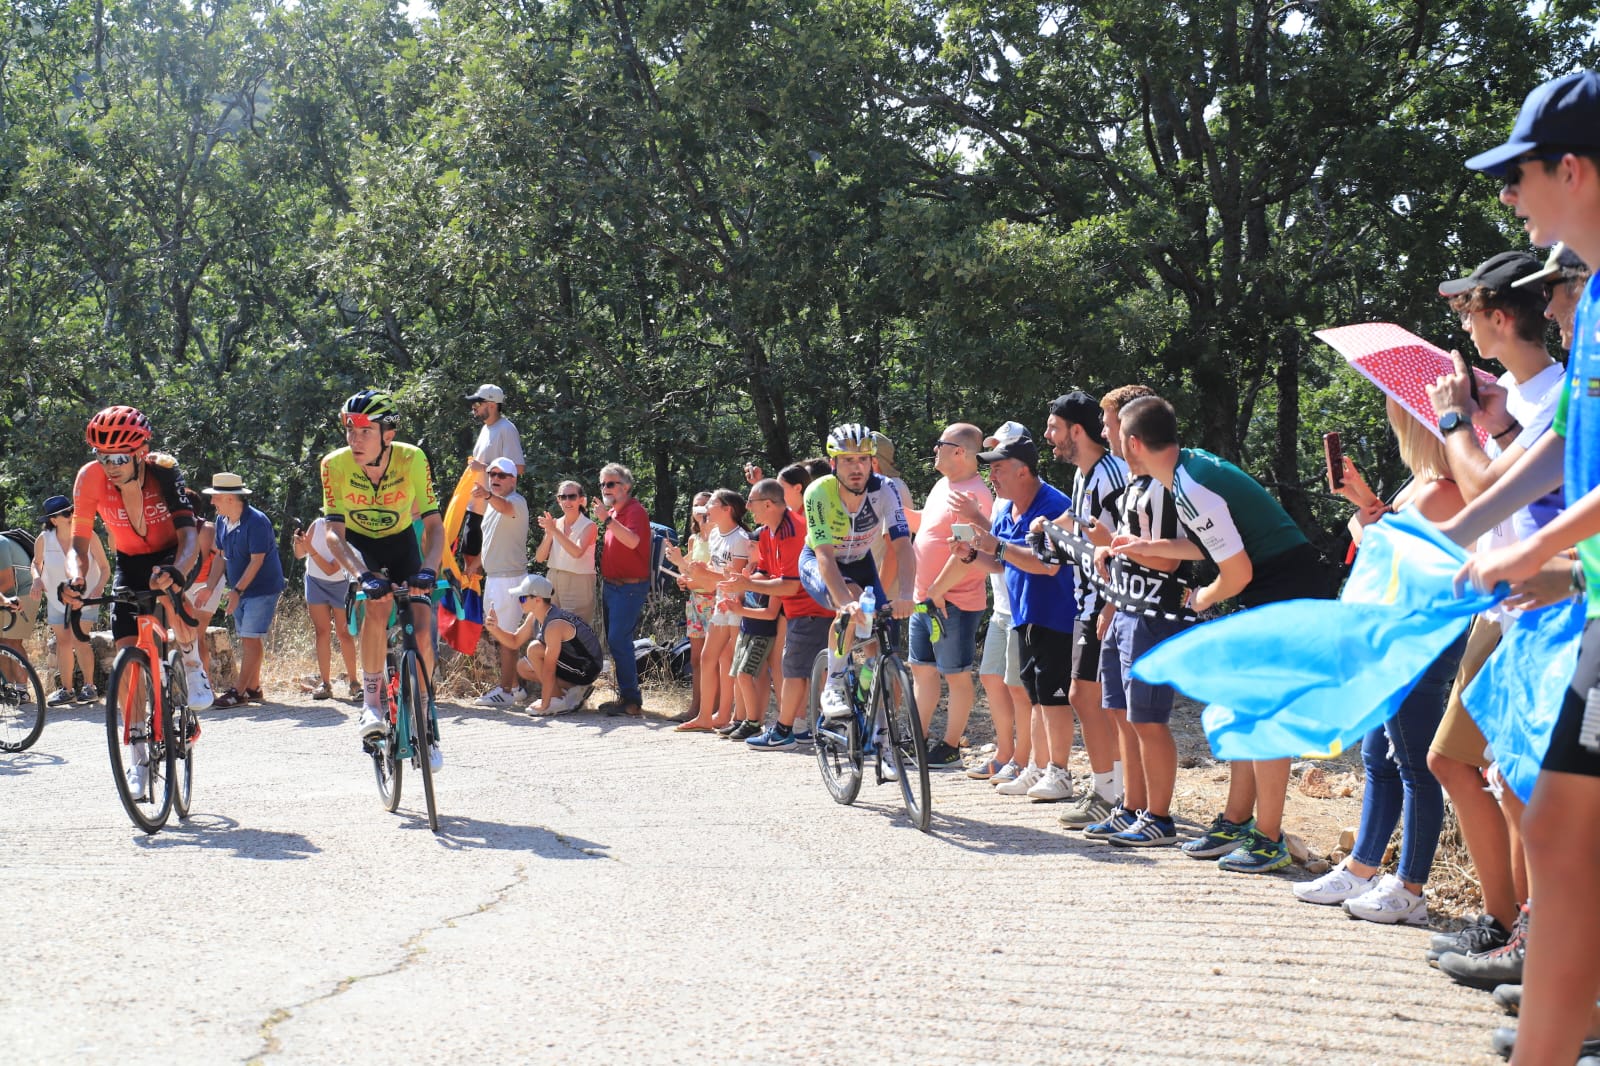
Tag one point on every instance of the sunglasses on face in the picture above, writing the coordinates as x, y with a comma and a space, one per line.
114, 458
356, 421
1513, 174
495, 475
569, 496
609, 484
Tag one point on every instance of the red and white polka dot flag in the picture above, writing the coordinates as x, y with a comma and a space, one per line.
1400, 363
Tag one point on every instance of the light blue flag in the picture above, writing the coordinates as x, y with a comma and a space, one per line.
1516, 697
1313, 676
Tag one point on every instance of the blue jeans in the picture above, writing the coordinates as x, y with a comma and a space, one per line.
624, 604
1398, 779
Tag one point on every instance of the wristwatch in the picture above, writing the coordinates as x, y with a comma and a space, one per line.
1451, 421
999, 550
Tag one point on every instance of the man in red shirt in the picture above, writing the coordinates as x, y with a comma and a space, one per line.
776, 572
625, 569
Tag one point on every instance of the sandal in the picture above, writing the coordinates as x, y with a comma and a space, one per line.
323, 691
691, 727
230, 698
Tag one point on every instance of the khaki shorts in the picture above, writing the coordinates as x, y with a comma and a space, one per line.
574, 592
1458, 736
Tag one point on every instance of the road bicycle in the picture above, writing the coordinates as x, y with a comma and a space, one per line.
883, 724
148, 718
21, 694
408, 703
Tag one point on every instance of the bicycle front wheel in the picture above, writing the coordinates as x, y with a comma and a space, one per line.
387, 766
903, 741
182, 727
837, 743
415, 693
21, 702
131, 691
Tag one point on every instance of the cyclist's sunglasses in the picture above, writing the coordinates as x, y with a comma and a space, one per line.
114, 458
357, 421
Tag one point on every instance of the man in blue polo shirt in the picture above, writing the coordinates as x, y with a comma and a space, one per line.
255, 579
1042, 608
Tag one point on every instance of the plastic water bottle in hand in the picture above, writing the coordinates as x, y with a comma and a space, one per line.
868, 605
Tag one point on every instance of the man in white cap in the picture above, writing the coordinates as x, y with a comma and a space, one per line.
504, 561
563, 654
498, 437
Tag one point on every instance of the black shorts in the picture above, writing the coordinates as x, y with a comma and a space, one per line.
574, 667
399, 556
1567, 754
1086, 648
1297, 574
133, 572
1046, 665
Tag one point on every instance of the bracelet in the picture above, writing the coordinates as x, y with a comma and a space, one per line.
1515, 425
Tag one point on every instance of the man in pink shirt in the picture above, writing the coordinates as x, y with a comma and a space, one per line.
954, 595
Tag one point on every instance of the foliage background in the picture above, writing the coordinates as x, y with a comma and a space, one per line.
689, 235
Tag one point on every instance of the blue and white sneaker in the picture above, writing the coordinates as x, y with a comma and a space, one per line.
1150, 831
770, 739
1121, 819
1220, 839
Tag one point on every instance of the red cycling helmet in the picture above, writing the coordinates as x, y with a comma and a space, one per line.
118, 429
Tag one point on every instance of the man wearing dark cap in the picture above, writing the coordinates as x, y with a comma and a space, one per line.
1562, 280
1550, 174
1042, 608
1506, 323
1073, 430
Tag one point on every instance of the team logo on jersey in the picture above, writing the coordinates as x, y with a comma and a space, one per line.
375, 520
1594, 387
866, 519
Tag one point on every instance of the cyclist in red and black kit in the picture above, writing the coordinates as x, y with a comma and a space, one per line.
140, 497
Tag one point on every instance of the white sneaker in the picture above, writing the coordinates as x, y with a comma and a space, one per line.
1390, 903
200, 694
1055, 784
1008, 772
495, 697
835, 700
139, 772
435, 758
372, 723
574, 699
1019, 785
1335, 886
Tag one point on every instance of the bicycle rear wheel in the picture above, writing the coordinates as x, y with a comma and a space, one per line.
182, 727
21, 702
837, 743
415, 693
132, 687
387, 767
907, 748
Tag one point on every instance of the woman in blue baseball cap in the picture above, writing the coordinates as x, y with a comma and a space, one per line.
50, 552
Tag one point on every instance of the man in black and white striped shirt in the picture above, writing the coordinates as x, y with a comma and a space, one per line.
1074, 432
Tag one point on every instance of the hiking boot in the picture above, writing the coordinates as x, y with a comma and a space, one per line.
1333, 887
1389, 902
1090, 809
1221, 839
943, 756
1150, 831
1256, 855
1119, 820
1055, 784
1508, 998
1485, 934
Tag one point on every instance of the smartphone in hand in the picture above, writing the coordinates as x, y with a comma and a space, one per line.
963, 532
1333, 455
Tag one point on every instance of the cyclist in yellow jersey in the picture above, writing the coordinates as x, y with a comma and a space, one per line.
370, 491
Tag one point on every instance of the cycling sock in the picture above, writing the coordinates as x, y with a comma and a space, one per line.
1103, 786
191, 656
372, 690
835, 662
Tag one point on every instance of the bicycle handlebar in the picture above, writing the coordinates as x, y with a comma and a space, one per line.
144, 600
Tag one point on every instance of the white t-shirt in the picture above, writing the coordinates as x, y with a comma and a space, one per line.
1533, 404
329, 570
500, 439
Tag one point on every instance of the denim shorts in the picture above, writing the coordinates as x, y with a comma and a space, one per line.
253, 616
954, 651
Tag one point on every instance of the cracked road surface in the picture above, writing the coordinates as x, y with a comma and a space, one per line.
602, 888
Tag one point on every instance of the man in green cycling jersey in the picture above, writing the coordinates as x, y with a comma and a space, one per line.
370, 491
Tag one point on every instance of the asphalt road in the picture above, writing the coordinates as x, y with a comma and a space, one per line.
603, 890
